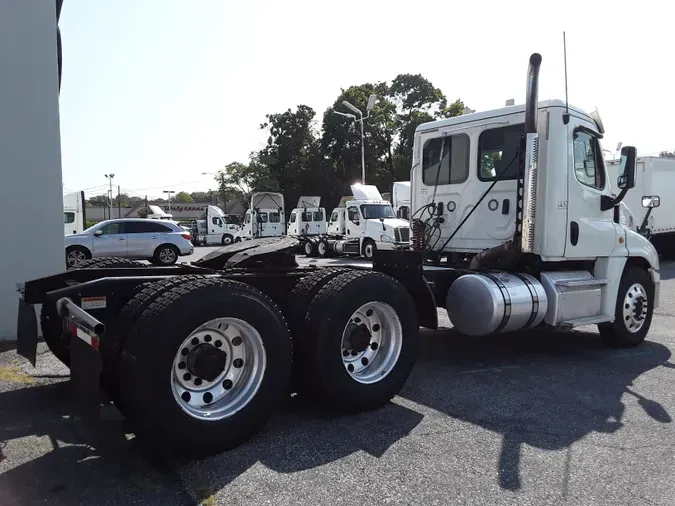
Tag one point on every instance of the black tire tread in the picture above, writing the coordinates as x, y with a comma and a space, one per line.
136, 352
50, 323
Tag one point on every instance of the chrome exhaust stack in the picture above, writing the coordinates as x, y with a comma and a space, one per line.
528, 173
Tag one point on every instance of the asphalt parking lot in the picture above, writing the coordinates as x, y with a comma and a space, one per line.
536, 418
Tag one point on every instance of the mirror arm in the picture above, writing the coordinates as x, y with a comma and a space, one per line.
607, 203
642, 229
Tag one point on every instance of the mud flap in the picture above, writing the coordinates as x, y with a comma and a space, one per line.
27, 332
85, 373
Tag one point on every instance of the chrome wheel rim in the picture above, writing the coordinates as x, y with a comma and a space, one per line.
225, 390
308, 248
372, 342
227, 240
635, 306
321, 248
167, 256
76, 257
369, 251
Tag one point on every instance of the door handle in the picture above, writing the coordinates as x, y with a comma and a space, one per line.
121, 239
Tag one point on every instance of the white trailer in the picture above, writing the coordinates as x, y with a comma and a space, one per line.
654, 175
264, 218
400, 199
74, 214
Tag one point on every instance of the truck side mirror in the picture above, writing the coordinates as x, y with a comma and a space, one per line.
651, 201
626, 179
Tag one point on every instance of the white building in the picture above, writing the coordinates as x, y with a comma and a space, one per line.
30, 152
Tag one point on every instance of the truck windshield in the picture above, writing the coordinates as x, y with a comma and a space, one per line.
377, 211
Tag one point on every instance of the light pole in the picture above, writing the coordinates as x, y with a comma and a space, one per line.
169, 192
369, 108
110, 178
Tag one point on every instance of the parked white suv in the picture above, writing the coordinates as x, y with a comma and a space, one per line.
159, 241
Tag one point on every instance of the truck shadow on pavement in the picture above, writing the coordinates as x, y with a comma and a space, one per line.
55, 458
545, 389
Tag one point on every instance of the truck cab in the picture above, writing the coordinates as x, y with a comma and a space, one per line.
74, 219
265, 217
524, 190
308, 218
371, 219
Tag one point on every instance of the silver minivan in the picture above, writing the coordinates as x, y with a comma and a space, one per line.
159, 241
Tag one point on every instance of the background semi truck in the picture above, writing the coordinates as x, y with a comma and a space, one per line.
359, 226
653, 176
74, 213
199, 356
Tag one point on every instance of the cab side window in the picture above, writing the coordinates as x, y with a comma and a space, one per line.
588, 166
292, 218
353, 214
334, 216
216, 221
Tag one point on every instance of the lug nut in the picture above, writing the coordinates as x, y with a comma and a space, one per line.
218, 343
364, 361
194, 341
187, 376
198, 381
376, 327
345, 353
185, 352
181, 365
374, 346
236, 341
227, 384
207, 338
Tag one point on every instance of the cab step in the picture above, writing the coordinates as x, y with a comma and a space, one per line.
587, 320
577, 283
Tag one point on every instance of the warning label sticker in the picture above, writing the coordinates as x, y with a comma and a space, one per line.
93, 303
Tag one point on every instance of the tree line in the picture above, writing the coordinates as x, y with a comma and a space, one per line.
306, 155
126, 200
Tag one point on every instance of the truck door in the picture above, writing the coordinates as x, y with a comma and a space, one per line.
275, 224
355, 223
318, 222
292, 224
591, 232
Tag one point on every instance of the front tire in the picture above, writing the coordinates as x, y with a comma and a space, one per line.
633, 312
219, 372
226, 240
360, 343
369, 249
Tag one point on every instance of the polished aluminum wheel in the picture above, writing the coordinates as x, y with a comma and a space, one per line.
372, 342
635, 306
218, 369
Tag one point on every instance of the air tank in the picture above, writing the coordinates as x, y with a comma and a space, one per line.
492, 302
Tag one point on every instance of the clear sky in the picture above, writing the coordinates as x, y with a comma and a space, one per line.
160, 91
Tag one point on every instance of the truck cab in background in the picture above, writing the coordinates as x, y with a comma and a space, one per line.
400, 199
215, 227
74, 214
264, 218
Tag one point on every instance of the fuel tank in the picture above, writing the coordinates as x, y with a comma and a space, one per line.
488, 303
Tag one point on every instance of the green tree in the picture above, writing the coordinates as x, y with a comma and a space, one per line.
98, 201
183, 197
667, 154
201, 196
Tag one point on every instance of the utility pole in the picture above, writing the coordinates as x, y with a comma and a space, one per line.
146, 206
369, 108
110, 193
169, 192
119, 203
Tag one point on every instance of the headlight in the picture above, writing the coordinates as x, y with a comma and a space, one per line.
386, 238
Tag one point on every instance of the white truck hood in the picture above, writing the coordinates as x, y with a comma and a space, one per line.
374, 227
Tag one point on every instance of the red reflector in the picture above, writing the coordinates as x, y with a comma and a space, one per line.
186, 236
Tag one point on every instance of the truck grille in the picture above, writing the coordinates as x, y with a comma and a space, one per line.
402, 234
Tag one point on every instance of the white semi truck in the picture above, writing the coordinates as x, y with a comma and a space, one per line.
654, 217
74, 213
515, 227
360, 226
400, 199
215, 228
264, 218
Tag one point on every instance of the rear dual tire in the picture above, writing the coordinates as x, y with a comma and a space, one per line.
202, 416
356, 339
